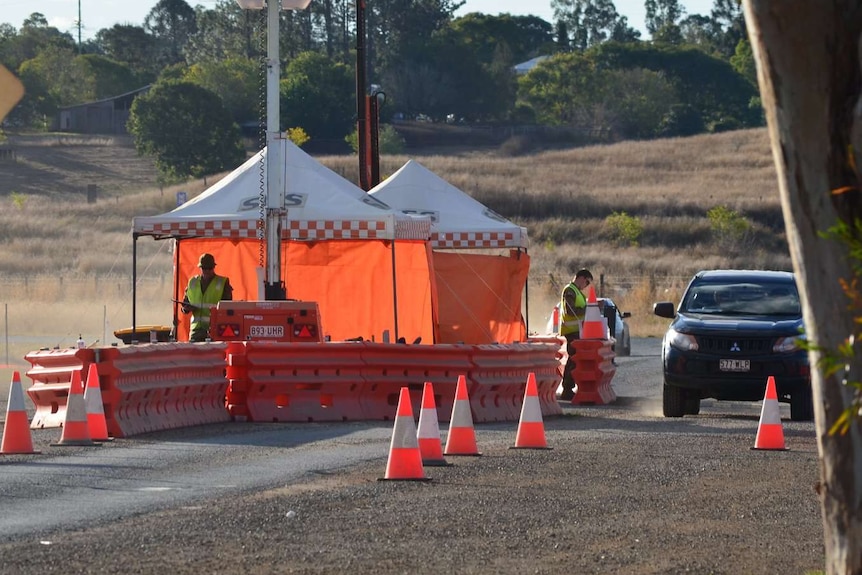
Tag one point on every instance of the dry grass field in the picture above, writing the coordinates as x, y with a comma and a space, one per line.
65, 263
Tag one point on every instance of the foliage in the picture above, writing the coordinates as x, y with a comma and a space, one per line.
743, 61
624, 229
318, 95
18, 200
389, 141
524, 36
55, 77
662, 20
297, 136
591, 22
235, 80
728, 227
186, 129
111, 78
172, 23
133, 46
835, 361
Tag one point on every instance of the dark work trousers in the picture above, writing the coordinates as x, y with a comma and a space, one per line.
569, 381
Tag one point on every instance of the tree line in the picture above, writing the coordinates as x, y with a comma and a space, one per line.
597, 77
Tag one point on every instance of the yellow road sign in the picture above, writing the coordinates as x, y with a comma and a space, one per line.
11, 90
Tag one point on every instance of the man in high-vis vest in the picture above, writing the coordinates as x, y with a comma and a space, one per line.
573, 308
202, 294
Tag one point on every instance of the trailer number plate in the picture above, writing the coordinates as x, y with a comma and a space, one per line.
734, 365
266, 331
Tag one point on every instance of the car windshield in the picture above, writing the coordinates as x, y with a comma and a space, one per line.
742, 298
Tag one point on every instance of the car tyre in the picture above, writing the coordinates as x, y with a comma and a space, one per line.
673, 401
802, 406
692, 404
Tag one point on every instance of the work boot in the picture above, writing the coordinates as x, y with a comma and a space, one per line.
568, 394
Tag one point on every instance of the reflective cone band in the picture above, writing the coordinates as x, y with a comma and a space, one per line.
531, 429
95, 410
461, 439
16, 430
75, 430
594, 324
405, 460
770, 434
428, 433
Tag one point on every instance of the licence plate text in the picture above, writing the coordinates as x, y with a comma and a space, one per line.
266, 331
734, 365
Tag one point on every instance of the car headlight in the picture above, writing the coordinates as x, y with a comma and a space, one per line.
787, 344
681, 341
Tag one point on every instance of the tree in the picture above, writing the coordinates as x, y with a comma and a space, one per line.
662, 20
186, 129
591, 22
111, 78
172, 23
729, 23
318, 95
809, 74
235, 80
525, 36
131, 45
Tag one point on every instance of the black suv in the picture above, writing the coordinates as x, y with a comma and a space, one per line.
732, 330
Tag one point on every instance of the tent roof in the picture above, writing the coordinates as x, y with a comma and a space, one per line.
320, 205
459, 221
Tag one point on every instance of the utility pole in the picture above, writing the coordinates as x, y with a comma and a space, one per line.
79, 27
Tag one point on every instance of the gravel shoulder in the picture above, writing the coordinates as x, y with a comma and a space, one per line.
623, 490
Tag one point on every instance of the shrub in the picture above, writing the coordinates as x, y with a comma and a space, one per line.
297, 136
729, 228
624, 229
389, 141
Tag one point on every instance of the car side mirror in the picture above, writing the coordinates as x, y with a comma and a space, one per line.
626, 314
664, 309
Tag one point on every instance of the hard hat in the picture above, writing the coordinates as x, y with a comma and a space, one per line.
207, 261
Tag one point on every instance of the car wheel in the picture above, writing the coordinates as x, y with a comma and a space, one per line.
673, 401
692, 404
802, 406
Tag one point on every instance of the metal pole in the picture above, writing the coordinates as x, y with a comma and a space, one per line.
274, 287
361, 123
134, 285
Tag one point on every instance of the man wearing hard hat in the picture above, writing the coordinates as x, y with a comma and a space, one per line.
573, 308
202, 294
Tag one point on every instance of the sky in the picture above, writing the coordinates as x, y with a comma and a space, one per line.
98, 14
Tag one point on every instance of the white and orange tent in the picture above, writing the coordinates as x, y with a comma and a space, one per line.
480, 293
338, 248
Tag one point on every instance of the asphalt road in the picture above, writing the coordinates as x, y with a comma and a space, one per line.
623, 491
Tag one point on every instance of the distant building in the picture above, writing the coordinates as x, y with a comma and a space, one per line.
524, 67
106, 116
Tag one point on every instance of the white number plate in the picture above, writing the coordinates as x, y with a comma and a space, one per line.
266, 331
734, 364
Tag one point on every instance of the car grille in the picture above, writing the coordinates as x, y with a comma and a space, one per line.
735, 346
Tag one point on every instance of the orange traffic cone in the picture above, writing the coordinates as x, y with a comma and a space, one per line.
531, 429
75, 430
429, 431
96, 423
405, 460
461, 439
770, 434
16, 430
594, 324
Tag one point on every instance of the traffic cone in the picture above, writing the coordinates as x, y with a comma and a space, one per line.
461, 439
594, 324
531, 429
16, 430
405, 460
770, 434
429, 431
75, 429
96, 423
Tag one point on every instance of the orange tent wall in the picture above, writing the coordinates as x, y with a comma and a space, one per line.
351, 281
480, 296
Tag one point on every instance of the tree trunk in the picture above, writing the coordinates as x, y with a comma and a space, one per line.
807, 55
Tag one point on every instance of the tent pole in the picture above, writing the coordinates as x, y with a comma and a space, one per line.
176, 290
394, 292
134, 284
